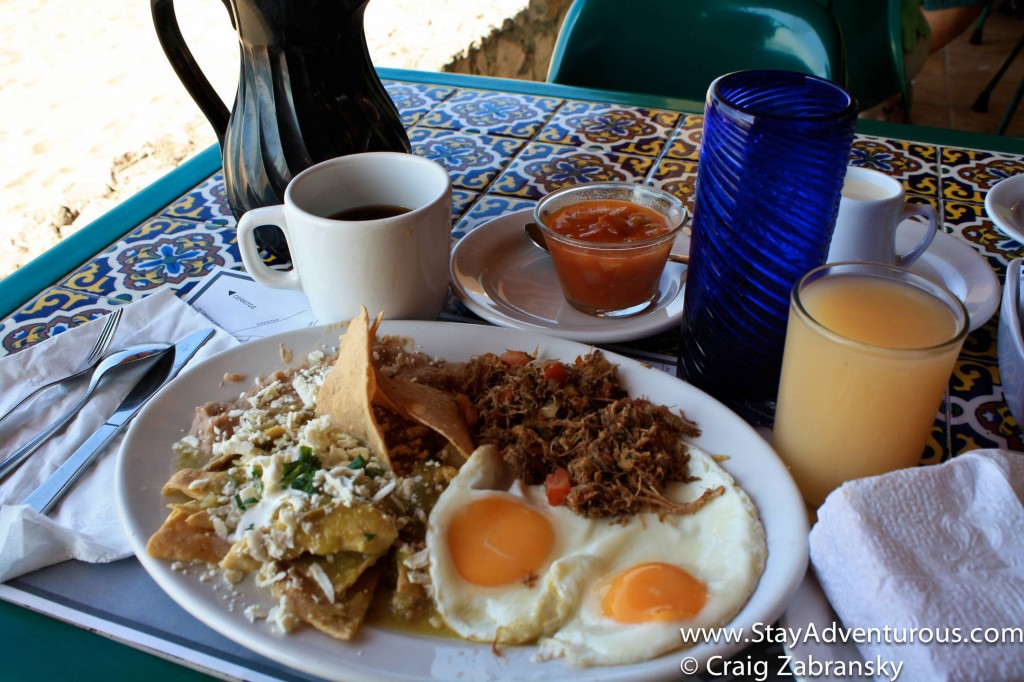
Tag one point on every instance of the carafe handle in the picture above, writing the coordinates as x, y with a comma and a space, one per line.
185, 65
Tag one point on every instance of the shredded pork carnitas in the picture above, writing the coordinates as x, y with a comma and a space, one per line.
620, 452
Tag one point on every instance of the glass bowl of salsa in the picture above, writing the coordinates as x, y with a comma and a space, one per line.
609, 243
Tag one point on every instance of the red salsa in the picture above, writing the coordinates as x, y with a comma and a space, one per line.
608, 220
599, 279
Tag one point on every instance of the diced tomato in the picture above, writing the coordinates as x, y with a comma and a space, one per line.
557, 486
515, 358
554, 371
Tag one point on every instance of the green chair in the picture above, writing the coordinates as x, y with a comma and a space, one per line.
873, 40
675, 48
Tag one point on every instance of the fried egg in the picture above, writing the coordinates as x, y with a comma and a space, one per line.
502, 560
690, 570
507, 567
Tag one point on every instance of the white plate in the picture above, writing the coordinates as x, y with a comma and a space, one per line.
1004, 204
504, 278
960, 268
809, 606
145, 463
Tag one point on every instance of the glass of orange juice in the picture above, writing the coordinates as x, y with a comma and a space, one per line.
868, 355
609, 243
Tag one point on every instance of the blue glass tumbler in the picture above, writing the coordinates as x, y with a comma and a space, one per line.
772, 161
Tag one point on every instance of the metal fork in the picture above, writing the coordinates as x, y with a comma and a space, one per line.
95, 355
105, 337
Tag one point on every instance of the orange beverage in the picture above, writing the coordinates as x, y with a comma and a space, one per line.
609, 244
869, 352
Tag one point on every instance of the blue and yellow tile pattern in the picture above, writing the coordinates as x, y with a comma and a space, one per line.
504, 151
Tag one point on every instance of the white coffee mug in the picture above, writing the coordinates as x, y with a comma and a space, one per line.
369, 229
872, 207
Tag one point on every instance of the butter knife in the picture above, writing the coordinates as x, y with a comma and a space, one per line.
49, 493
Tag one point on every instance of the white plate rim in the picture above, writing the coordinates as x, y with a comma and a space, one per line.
1004, 196
142, 468
571, 324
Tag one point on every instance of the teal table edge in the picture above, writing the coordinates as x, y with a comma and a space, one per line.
17, 288
30, 640
46, 269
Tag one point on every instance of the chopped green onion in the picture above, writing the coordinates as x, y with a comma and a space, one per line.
244, 504
298, 475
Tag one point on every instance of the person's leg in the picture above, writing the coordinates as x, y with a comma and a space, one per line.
949, 19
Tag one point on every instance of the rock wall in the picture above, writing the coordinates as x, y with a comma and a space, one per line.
521, 48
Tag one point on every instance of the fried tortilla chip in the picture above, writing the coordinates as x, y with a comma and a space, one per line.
195, 483
429, 406
339, 618
360, 528
349, 387
410, 598
342, 570
179, 540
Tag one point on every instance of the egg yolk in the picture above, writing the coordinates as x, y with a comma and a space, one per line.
654, 592
496, 541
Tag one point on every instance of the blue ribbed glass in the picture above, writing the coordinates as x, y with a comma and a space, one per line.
774, 153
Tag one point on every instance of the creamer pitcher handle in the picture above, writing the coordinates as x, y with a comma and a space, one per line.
185, 65
926, 211
254, 265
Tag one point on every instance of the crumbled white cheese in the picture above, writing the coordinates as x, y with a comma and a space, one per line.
418, 577
232, 576
283, 616
385, 491
306, 390
220, 528
269, 574
317, 573
338, 487
317, 434
254, 612
420, 559
266, 395
188, 453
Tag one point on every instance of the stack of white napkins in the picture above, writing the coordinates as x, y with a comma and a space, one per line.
934, 554
85, 525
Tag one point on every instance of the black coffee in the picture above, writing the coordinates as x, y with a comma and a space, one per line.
371, 212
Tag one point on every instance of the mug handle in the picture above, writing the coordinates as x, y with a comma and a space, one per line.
254, 265
926, 211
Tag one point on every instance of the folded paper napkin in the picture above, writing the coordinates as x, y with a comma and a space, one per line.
937, 548
85, 525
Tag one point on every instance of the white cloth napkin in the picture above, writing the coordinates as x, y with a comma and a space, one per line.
933, 548
85, 525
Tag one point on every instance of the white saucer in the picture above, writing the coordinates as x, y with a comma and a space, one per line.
1004, 204
504, 278
960, 268
1010, 342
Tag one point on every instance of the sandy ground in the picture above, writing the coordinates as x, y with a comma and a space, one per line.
91, 112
